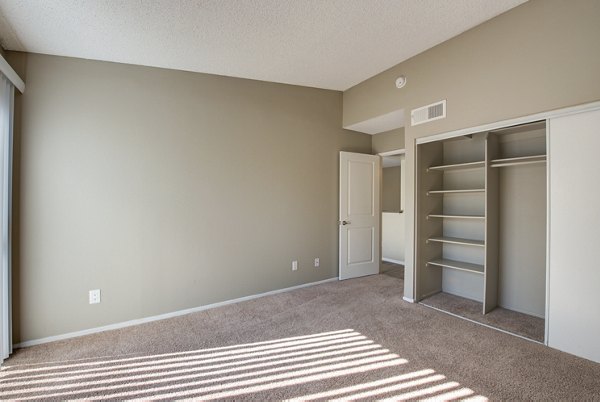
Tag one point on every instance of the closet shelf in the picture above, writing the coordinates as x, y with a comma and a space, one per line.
458, 166
521, 160
456, 216
459, 265
457, 240
463, 191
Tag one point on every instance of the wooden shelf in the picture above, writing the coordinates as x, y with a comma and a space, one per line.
464, 191
521, 160
457, 240
459, 265
458, 166
456, 216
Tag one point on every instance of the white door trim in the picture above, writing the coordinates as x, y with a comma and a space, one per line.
401, 151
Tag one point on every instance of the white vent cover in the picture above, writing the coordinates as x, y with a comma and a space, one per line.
428, 113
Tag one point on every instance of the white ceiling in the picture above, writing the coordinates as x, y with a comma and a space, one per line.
333, 44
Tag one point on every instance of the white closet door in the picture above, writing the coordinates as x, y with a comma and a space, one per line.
574, 272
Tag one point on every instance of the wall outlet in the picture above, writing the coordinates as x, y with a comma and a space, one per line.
294, 265
317, 262
95, 296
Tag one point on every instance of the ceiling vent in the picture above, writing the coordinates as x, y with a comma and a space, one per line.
428, 113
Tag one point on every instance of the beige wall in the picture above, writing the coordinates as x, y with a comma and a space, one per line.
388, 141
167, 190
537, 57
392, 236
390, 189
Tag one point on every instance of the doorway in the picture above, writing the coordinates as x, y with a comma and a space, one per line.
393, 221
372, 223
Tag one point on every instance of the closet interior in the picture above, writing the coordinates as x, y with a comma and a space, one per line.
481, 227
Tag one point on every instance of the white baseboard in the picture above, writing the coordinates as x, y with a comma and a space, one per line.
162, 316
408, 299
393, 261
481, 323
523, 311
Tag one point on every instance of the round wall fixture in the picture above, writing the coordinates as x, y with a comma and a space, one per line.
400, 81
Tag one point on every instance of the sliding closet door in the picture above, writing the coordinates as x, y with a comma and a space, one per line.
6, 123
574, 272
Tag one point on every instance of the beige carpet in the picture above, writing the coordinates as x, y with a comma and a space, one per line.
355, 339
511, 321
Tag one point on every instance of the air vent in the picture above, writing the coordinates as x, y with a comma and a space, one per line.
428, 113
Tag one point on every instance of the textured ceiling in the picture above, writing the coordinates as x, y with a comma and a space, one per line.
333, 44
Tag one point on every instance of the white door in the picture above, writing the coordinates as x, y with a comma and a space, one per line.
359, 214
574, 275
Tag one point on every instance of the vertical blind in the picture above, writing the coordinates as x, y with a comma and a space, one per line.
7, 92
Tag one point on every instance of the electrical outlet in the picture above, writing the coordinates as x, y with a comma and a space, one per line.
95, 296
317, 262
294, 265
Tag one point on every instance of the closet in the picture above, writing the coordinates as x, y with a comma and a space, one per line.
481, 219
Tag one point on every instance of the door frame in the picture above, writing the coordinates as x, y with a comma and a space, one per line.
394, 152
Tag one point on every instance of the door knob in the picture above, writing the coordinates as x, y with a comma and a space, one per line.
345, 222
